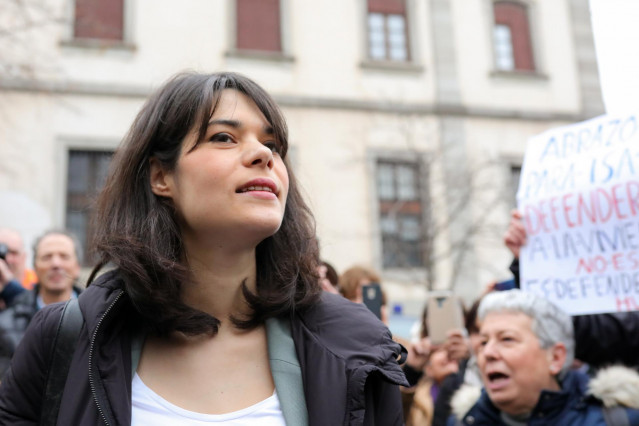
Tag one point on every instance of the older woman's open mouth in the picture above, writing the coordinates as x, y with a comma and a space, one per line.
496, 380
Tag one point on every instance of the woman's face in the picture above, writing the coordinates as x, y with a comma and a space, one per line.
232, 185
514, 367
440, 365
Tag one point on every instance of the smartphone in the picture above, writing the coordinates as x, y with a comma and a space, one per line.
444, 313
372, 296
505, 285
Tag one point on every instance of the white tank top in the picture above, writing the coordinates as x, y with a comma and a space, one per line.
150, 409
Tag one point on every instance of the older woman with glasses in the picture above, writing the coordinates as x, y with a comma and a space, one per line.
525, 359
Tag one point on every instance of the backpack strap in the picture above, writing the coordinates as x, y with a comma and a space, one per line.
64, 344
286, 371
616, 416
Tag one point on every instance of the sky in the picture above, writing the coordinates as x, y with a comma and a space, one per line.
616, 30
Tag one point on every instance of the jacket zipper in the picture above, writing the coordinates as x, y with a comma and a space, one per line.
95, 332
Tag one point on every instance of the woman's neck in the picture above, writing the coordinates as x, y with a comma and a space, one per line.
217, 278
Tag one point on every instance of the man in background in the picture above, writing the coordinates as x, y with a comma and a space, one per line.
56, 257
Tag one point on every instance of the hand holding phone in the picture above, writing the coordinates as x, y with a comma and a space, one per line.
457, 344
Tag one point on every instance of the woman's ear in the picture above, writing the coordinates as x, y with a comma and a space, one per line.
159, 179
557, 357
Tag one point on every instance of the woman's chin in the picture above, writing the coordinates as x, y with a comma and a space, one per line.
260, 231
510, 405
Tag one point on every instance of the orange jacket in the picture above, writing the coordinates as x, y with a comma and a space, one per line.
29, 279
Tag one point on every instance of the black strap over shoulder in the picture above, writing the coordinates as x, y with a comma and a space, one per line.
616, 416
63, 348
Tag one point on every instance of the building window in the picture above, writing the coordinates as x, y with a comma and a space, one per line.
99, 19
87, 171
515, 175
511, 37
401, 214
387, 31
258, 25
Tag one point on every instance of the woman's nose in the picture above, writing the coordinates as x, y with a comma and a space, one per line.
489, 350
259, 154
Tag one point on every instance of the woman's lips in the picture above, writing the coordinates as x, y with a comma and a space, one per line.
259, 185
496, 381
265, 195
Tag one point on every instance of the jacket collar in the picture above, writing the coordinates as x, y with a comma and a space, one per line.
549, 405
98, 299
103, 307
614, 386
339, 344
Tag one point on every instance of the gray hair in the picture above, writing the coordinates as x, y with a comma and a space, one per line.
76, 242
549, 323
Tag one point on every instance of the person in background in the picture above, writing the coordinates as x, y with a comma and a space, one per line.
57, 263
17, 257
601, 339
14, 275
464, 350
329, 279
525, 355
427, 367
437, 368
352, 281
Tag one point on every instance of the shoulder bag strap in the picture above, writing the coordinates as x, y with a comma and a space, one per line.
63, 348
616, 416
286, 371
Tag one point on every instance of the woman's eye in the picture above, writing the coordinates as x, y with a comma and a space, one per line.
273, 146
221, 137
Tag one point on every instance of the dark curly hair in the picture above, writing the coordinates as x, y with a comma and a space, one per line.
138, 232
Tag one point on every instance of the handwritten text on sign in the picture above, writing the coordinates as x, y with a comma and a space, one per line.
579, 194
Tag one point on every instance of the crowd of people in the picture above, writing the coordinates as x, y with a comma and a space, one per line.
210, 303
518, 360
526, 362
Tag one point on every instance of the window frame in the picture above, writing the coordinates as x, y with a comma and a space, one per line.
64, 145
412, 64
533, 30
285, 54
387, 43
514, 176
415, 158
127, 42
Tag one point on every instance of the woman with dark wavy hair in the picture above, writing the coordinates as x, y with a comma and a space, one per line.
211, 310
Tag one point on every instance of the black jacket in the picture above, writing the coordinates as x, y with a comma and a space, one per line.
14, 322
603, 339
347, 358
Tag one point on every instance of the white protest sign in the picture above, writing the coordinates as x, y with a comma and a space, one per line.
579, 194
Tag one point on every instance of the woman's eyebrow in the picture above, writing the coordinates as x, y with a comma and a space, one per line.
232, 123
267, 129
